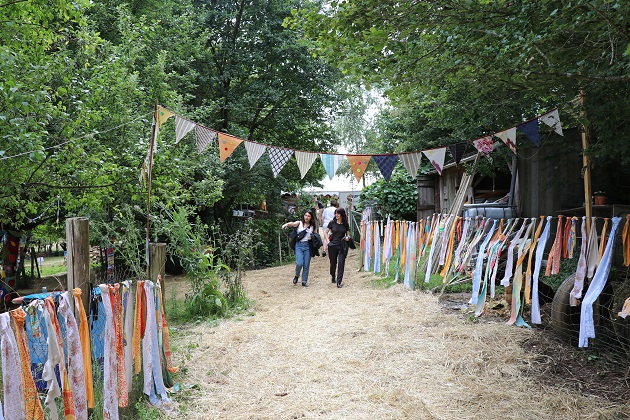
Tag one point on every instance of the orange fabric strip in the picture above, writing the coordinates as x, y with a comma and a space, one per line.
84, 333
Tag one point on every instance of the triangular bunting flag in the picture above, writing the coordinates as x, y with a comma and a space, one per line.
254, 152
552, 119
386, 164
436, 157
484, 145
305, 161
182, 127
411, 162
205, 137
358, 165
457, 151
163, 114
509, 137
331, 163
278, 158
530, 128
227, 144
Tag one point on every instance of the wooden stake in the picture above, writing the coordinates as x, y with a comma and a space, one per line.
586, 169
149, 172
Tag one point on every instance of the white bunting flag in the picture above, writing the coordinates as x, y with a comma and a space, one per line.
182, 127
279, 158
411, 162
552, 119
436, 157
254, 152
205, 136
509, 137
331, 163
305, 161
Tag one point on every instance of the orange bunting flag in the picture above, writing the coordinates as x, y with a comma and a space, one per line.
163, 114
227, 144
358, 164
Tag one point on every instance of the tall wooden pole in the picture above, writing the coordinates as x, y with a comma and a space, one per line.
157, 264
149, 173
78, 260
586, 169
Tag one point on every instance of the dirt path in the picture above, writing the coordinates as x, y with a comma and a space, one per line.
362, 352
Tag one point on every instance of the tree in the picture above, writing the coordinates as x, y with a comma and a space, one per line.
464, 69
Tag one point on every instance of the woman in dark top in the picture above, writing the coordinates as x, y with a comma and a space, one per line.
337, 231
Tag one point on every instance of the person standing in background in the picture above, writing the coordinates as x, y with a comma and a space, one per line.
327, 216
303, 246
338, 233
318, 209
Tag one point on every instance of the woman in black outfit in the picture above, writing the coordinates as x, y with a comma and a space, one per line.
338, 234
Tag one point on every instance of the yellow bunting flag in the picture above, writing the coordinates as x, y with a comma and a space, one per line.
163, 114
227, 144
358, 164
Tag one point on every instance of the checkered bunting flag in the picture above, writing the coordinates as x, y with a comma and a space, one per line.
436, 157
386, 164
411, 162
254, 152
278, 158
182, 127
331, 163
305, 161
205, 137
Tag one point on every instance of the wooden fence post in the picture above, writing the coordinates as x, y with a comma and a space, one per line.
157, 264
78, 260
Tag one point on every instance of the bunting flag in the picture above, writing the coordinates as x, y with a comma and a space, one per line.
227, 144
205, 137
411, 162
182, 127
386, 164
305, 161
254, 152
530, 129
331, 163
457, 151
484, 145
552, 119
436, 157
358, 165
509, 137
163, 114
279, 158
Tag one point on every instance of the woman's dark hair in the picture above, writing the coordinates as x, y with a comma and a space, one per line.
313, 221
344, 217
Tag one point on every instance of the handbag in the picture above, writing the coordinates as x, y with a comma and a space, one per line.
295, 237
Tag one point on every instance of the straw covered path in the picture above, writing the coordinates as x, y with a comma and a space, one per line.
363, 352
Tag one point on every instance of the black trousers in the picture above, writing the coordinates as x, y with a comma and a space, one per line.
337, 261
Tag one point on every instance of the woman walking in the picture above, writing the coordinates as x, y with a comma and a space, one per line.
308, 225
338, 234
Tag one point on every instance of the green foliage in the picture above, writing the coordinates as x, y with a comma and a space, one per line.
397, 198
125, 231
432, 62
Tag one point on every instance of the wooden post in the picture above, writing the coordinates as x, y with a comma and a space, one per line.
78, 261
280, 247
157, 263
586, 171
149, 176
